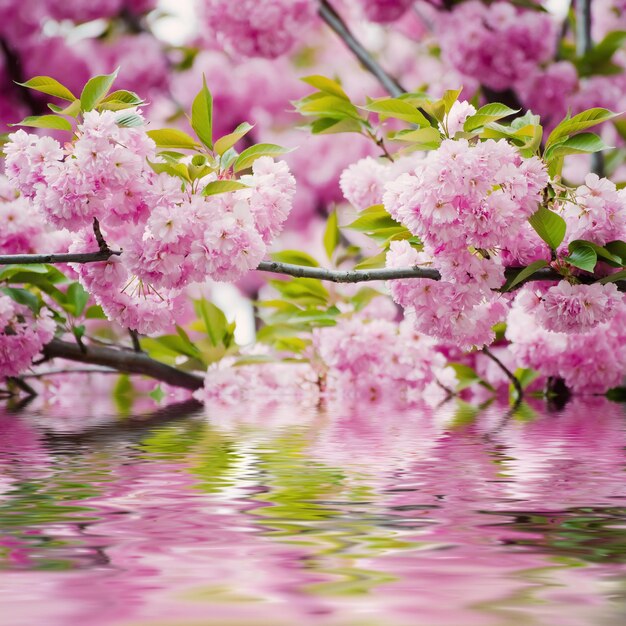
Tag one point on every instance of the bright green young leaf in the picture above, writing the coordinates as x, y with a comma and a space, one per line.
215, 322
332, 126
95, 90
121, 97
373, 262
583, 143
129, 120
523, 274
202, 115
157, 394
326, 105
23, 296
549, 226
172, 168
621, 275
45, 121
78, 298
72, 110
332, 235
173, 138
582, 121
222, 186
326, 85
228, 141
449, 98
50, 86
295, 257
251, 154
602, 253
486, 114
397, 109
428, 138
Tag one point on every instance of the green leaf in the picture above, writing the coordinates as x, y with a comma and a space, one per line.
486, 114
95, 312
372, 219
173, 169
222, 186
582, 121
215, 323
157, 394
302, 290
598, 59
332, 235
45, 121
326, 105
583, 257
524, 274
428, 138
77, 297
613, 277
326, 85
602, 253
228, 141
450, 97
251, 154
202, 115
129, 120
549, 226
73, 109
121, 99
397, 109
333, 126
584, 143
95, 90
294, 256
23, 296
372, 262
173, 138
50, 86
617, 248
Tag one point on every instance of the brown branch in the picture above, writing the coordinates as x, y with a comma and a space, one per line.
62, 257
102, 244
509, 374
336, 23
123, 361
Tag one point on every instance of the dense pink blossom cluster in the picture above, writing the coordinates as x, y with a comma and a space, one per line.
22, 335
171, 236
228, 383
371, 358
597, 212
498, 44
589, 362
266, 28
567, 308
467, 203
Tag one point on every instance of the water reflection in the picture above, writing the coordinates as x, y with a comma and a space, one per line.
337, 515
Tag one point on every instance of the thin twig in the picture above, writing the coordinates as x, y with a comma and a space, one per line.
65, 370
584, 45
134, 337
102, 244
519, 392
336, 23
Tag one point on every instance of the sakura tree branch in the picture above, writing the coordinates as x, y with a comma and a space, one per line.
584, 45
123, 361
336, 23
509, 374
65, 257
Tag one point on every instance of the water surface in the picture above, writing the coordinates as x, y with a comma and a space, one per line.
337, 515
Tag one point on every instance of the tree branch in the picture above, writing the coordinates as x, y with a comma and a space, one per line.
123, 361
336, 23
509, 374
64, 257
584, 45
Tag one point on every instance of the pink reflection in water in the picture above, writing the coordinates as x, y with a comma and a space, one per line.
346, 515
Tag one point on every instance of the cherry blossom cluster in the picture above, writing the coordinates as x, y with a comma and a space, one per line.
171, 234
589, 362
467, 203
371, 358
22, 335
268, 29
476, 38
